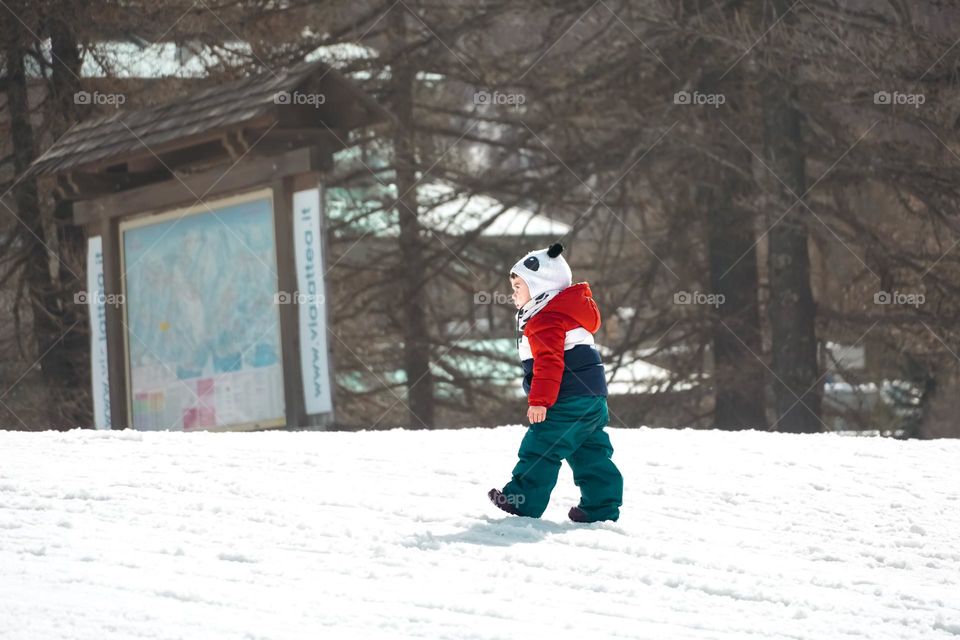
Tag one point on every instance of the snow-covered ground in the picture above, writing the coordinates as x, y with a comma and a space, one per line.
390, 535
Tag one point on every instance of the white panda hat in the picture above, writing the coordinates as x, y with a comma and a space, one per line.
544, 270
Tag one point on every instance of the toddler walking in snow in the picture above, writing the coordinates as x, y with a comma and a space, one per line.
566, 387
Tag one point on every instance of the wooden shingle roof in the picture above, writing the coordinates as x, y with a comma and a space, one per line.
114, 138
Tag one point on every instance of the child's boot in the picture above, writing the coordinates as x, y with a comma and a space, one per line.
579, 515
502, 502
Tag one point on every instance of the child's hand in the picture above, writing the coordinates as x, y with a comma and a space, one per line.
536, 414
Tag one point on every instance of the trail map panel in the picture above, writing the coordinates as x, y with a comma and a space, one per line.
202, 323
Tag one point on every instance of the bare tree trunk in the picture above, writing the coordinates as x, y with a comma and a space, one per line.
416, 339
797, 391
72, 353
737, 372
44, 302
738, 375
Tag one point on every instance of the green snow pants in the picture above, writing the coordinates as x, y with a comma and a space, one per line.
573, 431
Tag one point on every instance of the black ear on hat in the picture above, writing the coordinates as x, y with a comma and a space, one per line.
555, 250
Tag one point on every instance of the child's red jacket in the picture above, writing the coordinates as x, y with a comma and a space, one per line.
557, 350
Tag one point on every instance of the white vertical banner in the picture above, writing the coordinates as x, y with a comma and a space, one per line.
96, 302
311, 301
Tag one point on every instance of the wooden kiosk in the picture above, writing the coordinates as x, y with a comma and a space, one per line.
206, 250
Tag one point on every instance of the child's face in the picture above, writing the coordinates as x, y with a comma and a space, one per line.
521, 293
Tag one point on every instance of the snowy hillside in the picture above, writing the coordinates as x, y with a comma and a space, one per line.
390, 535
